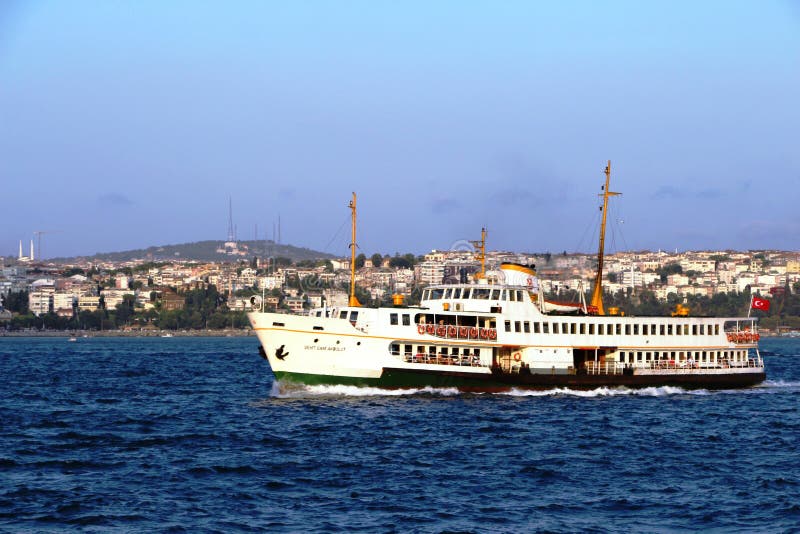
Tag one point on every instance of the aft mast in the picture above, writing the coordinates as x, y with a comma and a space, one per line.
353, 300
597, 293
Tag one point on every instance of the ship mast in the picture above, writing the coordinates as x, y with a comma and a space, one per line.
481, 255
597, 293
353, 300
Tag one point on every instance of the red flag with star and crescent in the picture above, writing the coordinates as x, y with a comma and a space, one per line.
760, 304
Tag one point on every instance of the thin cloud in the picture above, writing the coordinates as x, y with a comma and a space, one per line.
445, 205
514, 195
709, 194
114, 199
669, 192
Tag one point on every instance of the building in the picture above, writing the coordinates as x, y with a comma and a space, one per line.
295, 304
64, 303
172, 301
88, 302
430, 272
40, 300
115, 297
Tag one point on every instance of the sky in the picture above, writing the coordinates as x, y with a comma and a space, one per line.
126, 124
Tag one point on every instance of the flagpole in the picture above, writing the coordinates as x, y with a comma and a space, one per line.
749, 309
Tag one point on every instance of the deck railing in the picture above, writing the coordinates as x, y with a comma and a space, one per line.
609, 368
604, 368
440, 359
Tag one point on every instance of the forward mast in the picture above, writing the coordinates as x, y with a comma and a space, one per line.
353, 301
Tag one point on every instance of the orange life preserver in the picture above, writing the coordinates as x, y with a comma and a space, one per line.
517, 356
757, 337
441, 330
492, 333
451, 331
420, 329
473, 332
483, 333
463, 331
431, 329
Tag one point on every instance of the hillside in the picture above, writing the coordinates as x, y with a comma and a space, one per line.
207, 251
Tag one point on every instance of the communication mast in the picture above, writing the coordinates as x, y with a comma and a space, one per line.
231, 230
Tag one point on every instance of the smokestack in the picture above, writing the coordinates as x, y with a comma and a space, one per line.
31, 249
20, 249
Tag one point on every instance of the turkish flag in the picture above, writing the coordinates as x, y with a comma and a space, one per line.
760, 304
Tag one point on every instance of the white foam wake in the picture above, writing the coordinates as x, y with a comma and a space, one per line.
294, 391
291, 391
779, 384
606, 392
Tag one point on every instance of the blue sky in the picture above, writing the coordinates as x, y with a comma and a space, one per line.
129, 124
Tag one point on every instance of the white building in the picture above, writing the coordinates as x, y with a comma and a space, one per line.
431, 272
40, 301
271, 281
64, 300
88, 302
114, 297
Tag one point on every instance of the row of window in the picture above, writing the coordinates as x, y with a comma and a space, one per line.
477, 293
393, 318
432, 350
681, 356
613, 329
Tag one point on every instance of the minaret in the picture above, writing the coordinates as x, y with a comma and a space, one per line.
31, 249
20, 249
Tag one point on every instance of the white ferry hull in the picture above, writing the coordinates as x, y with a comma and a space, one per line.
320, 350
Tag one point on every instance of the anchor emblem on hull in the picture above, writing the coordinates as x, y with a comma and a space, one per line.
280, 354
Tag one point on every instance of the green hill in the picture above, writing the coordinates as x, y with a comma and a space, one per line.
207, 251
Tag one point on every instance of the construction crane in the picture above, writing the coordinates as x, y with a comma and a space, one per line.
38, 234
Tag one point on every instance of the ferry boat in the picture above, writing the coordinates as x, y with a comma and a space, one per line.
499, 333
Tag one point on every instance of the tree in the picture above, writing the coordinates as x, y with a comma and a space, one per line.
668, 269
376, 260
16, 302
361, 259
124, 310
400, 262
72, 271
90, 320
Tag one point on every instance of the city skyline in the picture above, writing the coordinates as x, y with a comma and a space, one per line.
131, 125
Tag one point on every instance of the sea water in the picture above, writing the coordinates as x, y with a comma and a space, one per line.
191, 434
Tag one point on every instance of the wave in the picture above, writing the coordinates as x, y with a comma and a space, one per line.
779, 384
662, 391
293, 391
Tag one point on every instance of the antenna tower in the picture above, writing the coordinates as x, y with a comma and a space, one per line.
231, 231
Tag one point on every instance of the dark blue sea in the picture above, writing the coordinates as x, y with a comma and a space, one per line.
191, 434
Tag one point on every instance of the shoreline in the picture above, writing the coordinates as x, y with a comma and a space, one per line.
123, 333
